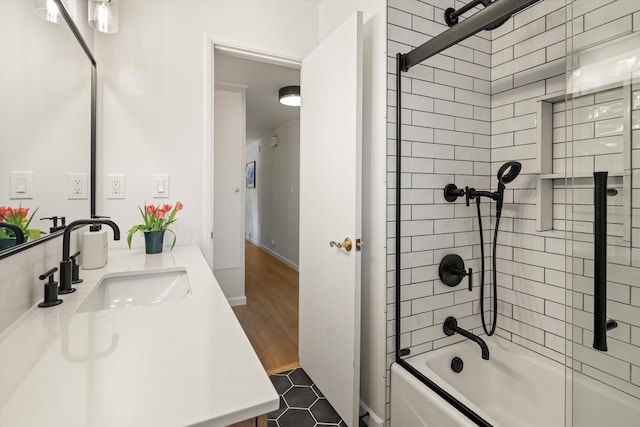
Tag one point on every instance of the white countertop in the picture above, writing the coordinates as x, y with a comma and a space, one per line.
173, 364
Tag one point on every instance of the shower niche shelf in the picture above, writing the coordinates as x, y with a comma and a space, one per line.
574, 141
572, 122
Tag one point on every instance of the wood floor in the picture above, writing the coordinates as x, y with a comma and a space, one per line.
270, 317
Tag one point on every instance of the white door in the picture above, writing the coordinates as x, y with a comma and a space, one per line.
228, 190
330, 210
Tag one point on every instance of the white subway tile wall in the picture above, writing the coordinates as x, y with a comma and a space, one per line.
465, 112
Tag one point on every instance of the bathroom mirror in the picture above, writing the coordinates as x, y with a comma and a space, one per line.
47, 114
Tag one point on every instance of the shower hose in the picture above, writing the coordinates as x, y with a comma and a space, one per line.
494, 285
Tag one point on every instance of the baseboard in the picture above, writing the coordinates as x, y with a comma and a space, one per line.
274, 254
372, 420
237, 301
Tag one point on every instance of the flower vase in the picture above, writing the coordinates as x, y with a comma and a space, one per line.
7, 243
153, 241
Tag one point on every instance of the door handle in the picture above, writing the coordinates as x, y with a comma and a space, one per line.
346, 244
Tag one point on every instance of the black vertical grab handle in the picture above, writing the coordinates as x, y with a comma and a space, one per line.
600, 262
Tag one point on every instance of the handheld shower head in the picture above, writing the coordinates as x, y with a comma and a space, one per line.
508, 172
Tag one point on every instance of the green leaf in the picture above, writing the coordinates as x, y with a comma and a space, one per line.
33, 234
174, 239
132, 231
26, 226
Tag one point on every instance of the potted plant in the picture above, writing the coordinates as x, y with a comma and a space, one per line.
20, 218
157, 220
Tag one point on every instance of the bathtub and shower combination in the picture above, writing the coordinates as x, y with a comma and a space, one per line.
488, 380
515, 388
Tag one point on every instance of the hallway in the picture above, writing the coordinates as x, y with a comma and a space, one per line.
270, 317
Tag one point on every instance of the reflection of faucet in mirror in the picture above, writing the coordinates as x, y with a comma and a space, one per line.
92, 354
66, 265
17, 232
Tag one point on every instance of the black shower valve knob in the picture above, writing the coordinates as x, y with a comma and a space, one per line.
452, 270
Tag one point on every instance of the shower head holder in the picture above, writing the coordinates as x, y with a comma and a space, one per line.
452, 192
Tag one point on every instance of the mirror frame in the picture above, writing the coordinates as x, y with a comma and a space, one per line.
94, 90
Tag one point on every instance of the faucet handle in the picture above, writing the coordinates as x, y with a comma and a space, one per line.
50, 289
55, 226
75, 269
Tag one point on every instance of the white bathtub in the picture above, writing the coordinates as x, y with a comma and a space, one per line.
516, 387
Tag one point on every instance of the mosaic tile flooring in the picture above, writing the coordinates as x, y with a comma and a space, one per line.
302, 404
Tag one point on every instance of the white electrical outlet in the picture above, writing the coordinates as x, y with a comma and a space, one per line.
115, 186
77, 186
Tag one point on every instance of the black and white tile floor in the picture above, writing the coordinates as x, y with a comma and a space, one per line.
301, 402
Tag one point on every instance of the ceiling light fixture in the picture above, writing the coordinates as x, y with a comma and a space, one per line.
290, 95
103, 15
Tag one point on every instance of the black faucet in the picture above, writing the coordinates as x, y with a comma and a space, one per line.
16, 231
66, 265
450, 327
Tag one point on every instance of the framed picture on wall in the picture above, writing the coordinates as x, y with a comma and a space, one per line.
251, 174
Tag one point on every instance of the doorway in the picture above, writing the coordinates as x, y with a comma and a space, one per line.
270, 202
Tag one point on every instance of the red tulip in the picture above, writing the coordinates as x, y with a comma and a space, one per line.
159, 213
166, 207
179, 206
150, 209
22, 213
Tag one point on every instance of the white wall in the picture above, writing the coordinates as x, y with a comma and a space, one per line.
151, 87
272, 207
373, 333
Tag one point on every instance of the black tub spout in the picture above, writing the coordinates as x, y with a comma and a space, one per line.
451, 327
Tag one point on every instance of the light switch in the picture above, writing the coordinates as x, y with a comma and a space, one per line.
21, 184
161, 186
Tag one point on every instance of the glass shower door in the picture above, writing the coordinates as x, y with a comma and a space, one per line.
603, 214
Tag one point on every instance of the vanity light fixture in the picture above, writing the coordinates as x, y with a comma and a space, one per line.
103, 15
290, 95
47, 9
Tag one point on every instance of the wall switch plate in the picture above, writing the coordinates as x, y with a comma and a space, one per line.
160, 186
21, 185
116, 186
77, 186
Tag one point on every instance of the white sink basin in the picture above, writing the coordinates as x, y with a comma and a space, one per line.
144, 287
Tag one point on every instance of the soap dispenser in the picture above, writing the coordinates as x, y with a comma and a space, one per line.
94, 248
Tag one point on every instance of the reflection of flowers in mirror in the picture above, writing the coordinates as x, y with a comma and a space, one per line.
156, 218
19, 217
